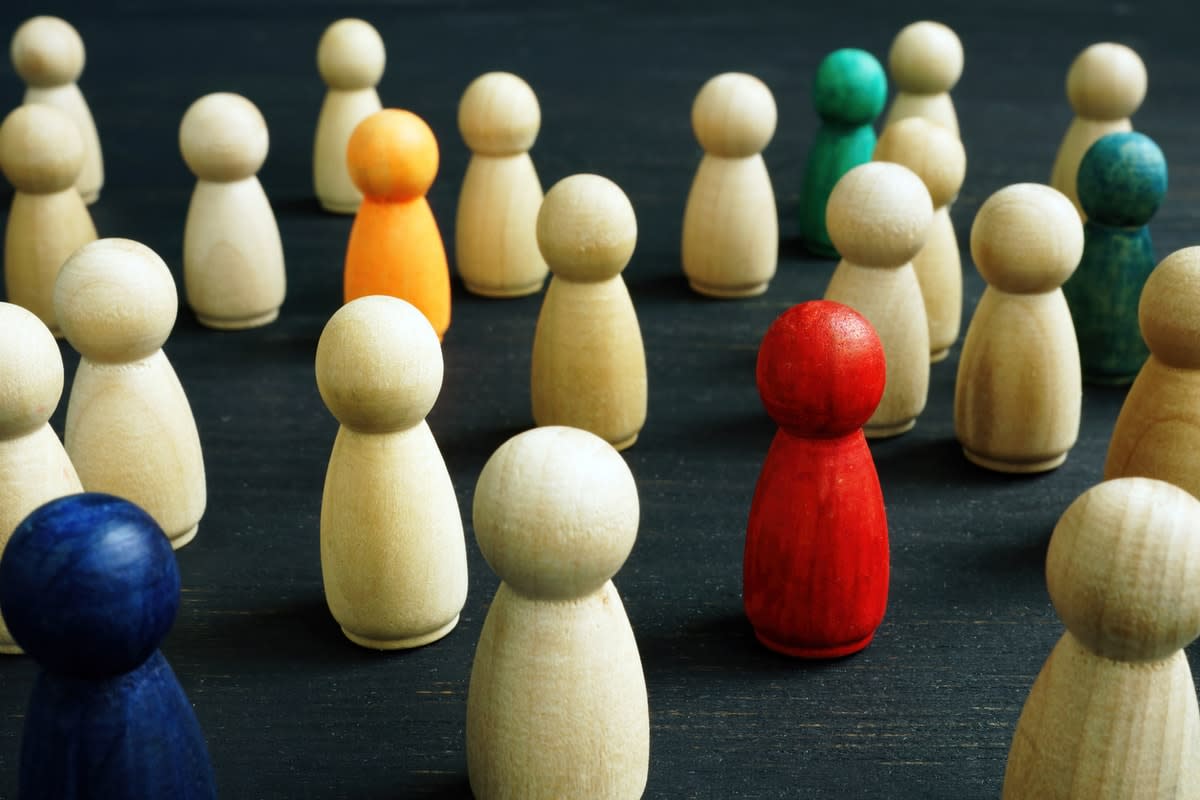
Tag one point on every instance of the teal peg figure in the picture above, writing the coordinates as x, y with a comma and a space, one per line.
849, 94
1122, 180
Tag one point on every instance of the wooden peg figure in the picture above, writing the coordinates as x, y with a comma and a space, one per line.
34, 467
1122, 180
1018, 392
233, 270
350, 58
815, 571
393, 555
41, 153
495, 237
1105, 87
395, 246
879, 218
130, 431
90, 588
925, 63
589, 365
48, 54
730, 226
938, 159
1112, 714
557, 700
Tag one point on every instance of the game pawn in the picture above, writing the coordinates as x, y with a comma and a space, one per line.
849, 93
879, 218
730, 226
90, 588
938, 159
34, 467
393, 554
815, 571
925, 62
1112, 714
556, 705
233, 272
40, 154
395, 247
589, 365
1018, 393
1105, 86
495, 237
130, 431
1122, 180
350, 58
48, 55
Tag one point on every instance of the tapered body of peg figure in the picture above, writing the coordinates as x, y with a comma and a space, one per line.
925, 62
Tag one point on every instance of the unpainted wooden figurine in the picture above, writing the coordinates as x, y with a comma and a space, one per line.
130, 431
557, 701
1018, 392
879, 219
393, 554
495, 237
48, 54
1112, 714
730, 225
40, 154
589, 364
350, 58
233, 272
925, 63
938, 159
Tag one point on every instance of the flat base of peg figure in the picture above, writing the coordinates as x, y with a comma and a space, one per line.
339, 207
624, 444
724, 292
90, 197
403, 644
1108, 380
11, 650
821, 250
185, 537
833, 651
1015, 467
939, 355
520, 291
884, 431
238, 324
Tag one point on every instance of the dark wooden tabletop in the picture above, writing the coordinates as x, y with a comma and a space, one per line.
290, 708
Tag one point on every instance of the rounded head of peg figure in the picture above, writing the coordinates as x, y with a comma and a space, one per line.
47, 51
1167, 310
1106, 81
1122, 179
31, 372
1027, 239
379, 365
115, 300
586, 228
350, 55
223, 137
821, 369
1123, 569
850, 88
392, 156
556, 512
41, 151
926, 58
734, 115
879, 215
935, 154
499, 115
89, 585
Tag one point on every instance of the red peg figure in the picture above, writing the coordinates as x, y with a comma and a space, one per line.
815, 573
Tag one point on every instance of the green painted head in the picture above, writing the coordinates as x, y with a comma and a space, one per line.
851, 87
1122, 179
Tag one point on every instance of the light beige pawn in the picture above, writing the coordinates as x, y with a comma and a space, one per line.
34, 468
925, 62
495, 236
40, 153
1018, 392
393, 555
48, 55
350, 58
1105, 86
938, 159
1113, 714
878, 218
589, 365
233, 273
730, 226
557, 701
130, 430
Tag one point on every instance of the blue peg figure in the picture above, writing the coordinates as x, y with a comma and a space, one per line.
89, 587
1122, 180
